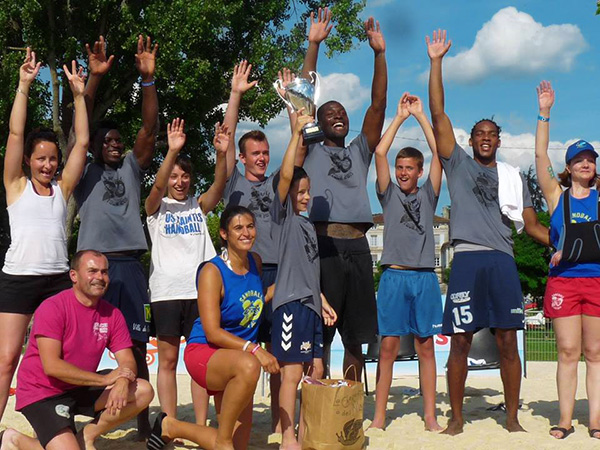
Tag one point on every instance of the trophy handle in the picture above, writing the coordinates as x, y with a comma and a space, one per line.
316, 80
278, 84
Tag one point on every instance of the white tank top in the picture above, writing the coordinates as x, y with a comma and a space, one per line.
180, 243
37, 229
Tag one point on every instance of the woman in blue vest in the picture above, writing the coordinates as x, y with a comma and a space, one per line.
572, 297
222, 354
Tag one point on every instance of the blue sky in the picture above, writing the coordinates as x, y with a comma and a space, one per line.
500, 51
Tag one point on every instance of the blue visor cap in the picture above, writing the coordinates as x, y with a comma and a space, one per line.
578, 147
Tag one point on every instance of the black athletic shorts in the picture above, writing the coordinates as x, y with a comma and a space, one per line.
174, 318
128, 292
347, 283
22, 294
53, 414
268, 277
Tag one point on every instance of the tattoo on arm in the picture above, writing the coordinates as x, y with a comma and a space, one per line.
551, 172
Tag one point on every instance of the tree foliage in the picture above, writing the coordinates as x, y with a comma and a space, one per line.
199, 43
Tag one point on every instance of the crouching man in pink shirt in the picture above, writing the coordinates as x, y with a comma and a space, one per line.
57, 378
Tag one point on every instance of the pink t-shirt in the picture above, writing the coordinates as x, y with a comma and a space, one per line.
84, 333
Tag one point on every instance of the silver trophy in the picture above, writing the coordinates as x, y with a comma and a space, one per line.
302, 93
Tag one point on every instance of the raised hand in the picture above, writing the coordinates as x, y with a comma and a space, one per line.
301, 120
175, 135
29, 70
221, 139
402, 111
285, 77
545, 95
98, 64
414, 104
438, 46
76, 78
375, 35
239, 82
145, 58
320, 28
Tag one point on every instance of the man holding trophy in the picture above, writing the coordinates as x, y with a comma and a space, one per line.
340, 208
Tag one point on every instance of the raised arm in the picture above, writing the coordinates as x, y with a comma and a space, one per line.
98, 66
214, 194
442, 127
375, 116
382, 165
287, 165
76, 162
318, 32
239, 86
145, 61
14, 177
415, 107
176, 141
543, 167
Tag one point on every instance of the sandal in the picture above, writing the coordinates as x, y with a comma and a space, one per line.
156, 441
564, 431
593, 431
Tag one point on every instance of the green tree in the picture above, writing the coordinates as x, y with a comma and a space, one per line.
199, 43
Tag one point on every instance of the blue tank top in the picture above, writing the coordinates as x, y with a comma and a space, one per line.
582, 210
241, 306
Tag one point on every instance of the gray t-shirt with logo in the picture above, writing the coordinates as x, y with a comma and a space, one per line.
298, 267
408, 233
257, 196
475, 215
109, 207
338, 182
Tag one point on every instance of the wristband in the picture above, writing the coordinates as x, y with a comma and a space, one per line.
246, 345
22, 92
543, 119
255, 349
147, 83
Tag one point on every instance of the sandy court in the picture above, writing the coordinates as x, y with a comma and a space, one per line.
405, 428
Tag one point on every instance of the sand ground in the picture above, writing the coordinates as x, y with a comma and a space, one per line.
484, 428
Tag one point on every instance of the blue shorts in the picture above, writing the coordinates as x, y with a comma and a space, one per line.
409, 301
268, 277
297, 333
484, 292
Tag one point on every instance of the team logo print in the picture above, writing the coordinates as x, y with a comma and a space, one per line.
286, 331
305, 347
62, 411
557, 300
114, 190
252, 304
412, 216
486, 190
147, 313
340, 165
310, 246
260, 201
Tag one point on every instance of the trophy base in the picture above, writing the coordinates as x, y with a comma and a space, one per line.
312, 134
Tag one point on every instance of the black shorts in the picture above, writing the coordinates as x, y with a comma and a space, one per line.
22, 294
128, 291
53, 414
347, 283
174, 318
268, 277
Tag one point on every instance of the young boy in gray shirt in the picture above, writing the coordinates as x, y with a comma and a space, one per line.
298, 305
409, 299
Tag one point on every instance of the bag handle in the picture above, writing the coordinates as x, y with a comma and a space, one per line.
352, 366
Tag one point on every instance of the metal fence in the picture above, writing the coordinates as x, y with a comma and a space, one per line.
539, 337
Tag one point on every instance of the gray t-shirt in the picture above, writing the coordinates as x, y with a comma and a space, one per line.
338, 182
475, 215
298, 268
257, 196
109, 207
408, 233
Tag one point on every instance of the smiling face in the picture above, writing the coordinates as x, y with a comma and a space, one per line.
583, 168
179, 184
240, 233
300, 195
90, 277
43, 162
408, 173
334, 122
255, 158
112, 148
485, 140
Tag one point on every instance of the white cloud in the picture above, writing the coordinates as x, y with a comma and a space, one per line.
344, 88
513, 43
